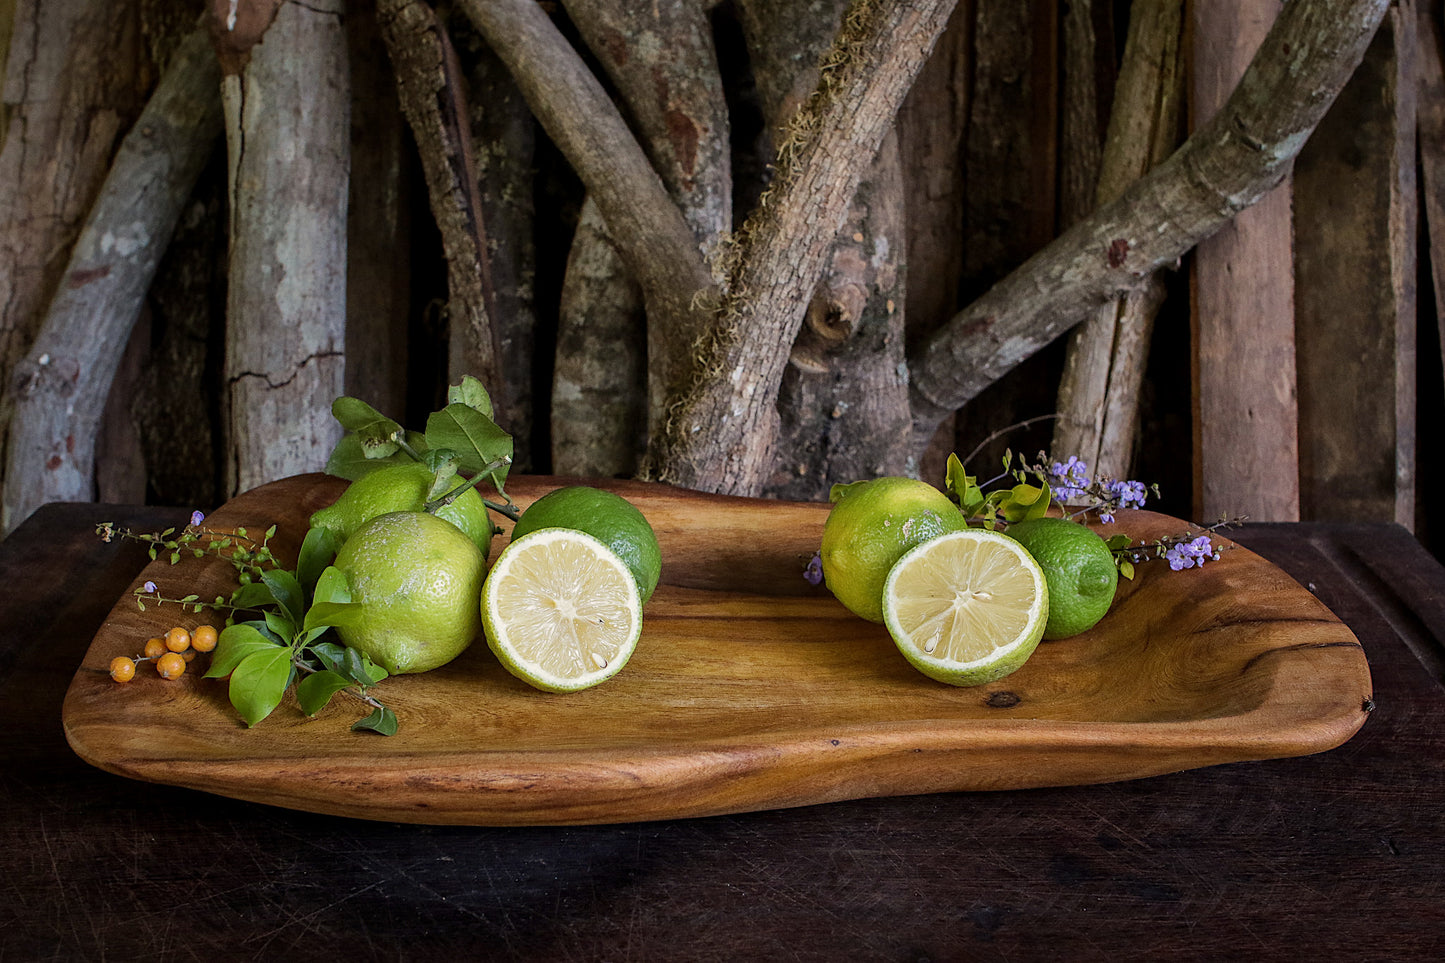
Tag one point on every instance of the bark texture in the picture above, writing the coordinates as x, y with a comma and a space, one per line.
503, 152
1222, 169
1107, 354
653, 237
661, 60
60, 387
722, 430
432, 97
843, 399
288, 143
75, 81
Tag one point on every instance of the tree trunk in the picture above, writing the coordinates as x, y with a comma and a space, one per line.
61, 386
503, 150
843, 399
434, 102
75, 80
287, 125
722, 430
660, 58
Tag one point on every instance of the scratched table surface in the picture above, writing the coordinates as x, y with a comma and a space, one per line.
1339, 855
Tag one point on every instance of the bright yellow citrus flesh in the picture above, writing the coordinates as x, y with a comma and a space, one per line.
967, 607
561, 610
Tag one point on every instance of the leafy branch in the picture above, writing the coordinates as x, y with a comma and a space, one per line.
462, 445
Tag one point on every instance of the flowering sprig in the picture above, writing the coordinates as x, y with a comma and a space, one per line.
248, 555
1188, 549
288, 646
1044, 482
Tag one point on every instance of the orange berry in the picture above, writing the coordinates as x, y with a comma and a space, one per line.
189, 655
178, 639
155, 648
204, 638
171, 665
122, 669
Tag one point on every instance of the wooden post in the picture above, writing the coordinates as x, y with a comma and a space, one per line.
1246, 447
1356, 220
288, 140
1430, 51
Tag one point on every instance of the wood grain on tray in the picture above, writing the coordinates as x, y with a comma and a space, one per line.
750, 689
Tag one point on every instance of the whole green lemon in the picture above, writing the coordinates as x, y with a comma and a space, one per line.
403, 488
607, 517
871, 525
1079, 568
418, 579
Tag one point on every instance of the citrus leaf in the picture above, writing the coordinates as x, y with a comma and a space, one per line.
356, 415
314, 691
337, 615
287, 592
281, 625
476, 439
234, 644
470, 392
381, 720
1117, 542
259, 682
330, 654
349, 459
331, 587
318, 550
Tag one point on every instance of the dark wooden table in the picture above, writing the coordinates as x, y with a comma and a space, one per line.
1338, 856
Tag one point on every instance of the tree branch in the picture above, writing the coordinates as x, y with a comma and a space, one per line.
1227, 165
1107, 353
430, 88
724, 420
649, 230
62, 384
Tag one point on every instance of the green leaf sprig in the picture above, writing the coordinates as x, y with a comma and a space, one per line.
462, 445
1021, 502
266, 656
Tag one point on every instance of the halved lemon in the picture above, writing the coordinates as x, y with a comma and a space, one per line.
561, 610
967, 607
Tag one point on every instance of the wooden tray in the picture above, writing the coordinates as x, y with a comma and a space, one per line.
750, 689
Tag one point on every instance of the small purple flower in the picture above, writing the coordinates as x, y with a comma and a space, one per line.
814, 572
1129, 494
197, 517
1189, 554
1106, 515
149, 588
1069, 479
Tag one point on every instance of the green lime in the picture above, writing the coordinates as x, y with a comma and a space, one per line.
403, 488
967, 607
1080, 570
607, 517
418, 579
869, 528
561, 610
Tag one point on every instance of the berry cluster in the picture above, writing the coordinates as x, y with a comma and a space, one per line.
170, 653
